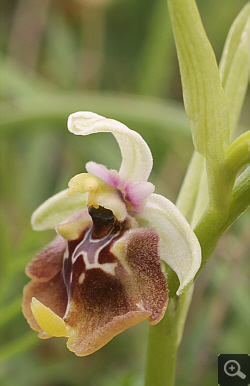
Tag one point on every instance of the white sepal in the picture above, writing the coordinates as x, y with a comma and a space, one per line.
137, 159
57, 209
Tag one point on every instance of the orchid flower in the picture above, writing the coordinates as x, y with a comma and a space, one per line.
102, 273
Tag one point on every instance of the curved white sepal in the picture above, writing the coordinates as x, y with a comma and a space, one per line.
57, 209
179, 246
137, 159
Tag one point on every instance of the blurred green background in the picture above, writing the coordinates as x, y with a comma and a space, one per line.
116, 58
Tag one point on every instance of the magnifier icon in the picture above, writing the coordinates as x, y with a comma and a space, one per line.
234, 368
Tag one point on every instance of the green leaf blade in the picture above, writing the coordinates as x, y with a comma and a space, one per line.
204, 98
234, 66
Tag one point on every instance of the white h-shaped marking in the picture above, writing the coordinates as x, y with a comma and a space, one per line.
90, 249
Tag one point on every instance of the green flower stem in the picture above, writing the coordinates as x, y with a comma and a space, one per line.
212, 226
163, 342
221, 178
220, 183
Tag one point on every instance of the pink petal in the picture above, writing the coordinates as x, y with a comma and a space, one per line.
109, 176
138, 193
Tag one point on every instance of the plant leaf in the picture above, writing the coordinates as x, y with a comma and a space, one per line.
204, 98
234, 66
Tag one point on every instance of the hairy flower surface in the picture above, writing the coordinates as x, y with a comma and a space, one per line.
102, 273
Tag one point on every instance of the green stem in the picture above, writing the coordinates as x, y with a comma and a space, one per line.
211, 227
163, 342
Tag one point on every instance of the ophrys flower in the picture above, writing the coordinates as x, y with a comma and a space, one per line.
102, 273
